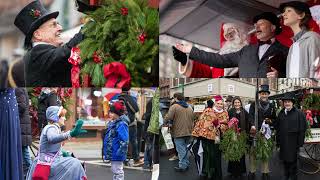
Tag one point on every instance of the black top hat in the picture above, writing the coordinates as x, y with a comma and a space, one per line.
264, 88
298, 5
269, 16
30, 18
288, 96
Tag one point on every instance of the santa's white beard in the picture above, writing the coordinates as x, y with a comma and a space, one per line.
230, 47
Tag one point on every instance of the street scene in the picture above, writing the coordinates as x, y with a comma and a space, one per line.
81, 133
231, 102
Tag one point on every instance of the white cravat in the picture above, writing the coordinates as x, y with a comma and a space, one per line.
37, 43
294, 65
263, 49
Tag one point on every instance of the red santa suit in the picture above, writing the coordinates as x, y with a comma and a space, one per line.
194, 69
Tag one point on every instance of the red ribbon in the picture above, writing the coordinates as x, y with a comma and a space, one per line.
115, 71
75, 60
94, 2
234, 123
309, 117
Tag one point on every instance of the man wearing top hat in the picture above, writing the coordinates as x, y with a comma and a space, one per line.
267, 113
46, 62
290, 132
252, 60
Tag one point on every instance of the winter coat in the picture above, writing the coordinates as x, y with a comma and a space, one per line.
154, 118
46, 100
48, 66
131, 106
25, 122
182, 117
246, 59
270, 113
115, 144
290, 133
243, 117
309, 44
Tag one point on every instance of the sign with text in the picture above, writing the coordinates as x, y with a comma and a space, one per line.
315, 136
199, 108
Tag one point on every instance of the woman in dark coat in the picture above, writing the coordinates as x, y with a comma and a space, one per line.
25, 125
10, 137
235, 168
290, 127
47, 98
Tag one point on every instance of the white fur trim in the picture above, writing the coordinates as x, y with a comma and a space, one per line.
60, 110
186, 69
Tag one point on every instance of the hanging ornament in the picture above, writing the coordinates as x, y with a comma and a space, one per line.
96, 58
142, 37
124, 11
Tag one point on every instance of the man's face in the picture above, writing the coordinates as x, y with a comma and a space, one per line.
264, 96
265, 30
49, 32
288, 104
230, 34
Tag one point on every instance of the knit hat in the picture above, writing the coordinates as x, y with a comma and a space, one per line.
117, 108
52, 113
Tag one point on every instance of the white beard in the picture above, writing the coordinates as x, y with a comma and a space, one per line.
230, 47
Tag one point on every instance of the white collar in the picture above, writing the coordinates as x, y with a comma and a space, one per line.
218, 111
37, 43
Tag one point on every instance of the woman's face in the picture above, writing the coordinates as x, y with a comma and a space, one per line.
290, 17
237, 104
219, 104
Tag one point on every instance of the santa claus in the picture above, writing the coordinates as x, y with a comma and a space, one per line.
232, 40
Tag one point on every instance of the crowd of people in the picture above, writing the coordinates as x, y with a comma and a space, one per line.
202, 134
52, 161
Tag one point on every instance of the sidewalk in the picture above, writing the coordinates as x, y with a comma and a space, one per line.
90, 152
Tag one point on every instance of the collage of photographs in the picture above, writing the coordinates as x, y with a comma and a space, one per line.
159, 89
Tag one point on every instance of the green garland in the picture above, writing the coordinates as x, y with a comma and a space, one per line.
312, 102
264, 148
233, 145
126, 31
308, 134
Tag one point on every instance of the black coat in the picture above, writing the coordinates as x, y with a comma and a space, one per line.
246, 59
48, 66
290, 134
25, 122
262, 114
243, 118
131, 106
46, 100
147, 116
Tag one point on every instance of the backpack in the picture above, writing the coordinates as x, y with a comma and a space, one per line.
131, 106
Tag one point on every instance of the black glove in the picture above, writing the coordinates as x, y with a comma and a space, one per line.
179, 55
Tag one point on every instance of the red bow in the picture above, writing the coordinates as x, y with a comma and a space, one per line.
114, 71
75, 60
